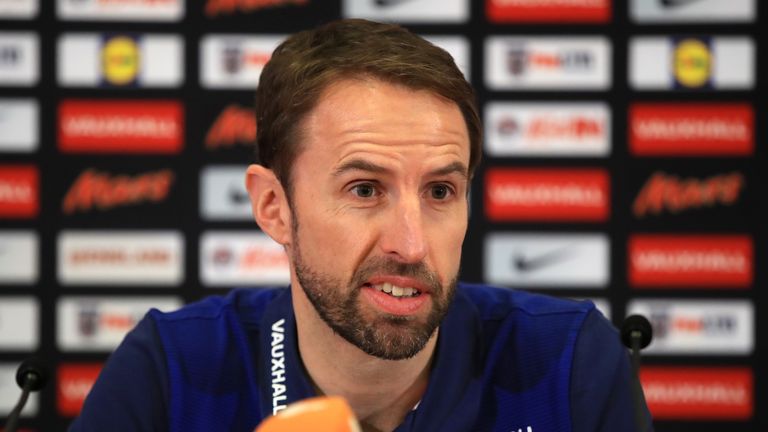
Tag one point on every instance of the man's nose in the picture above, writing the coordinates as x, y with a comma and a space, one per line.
403, 236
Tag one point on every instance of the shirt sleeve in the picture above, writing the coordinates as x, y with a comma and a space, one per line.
131, 392
602, 381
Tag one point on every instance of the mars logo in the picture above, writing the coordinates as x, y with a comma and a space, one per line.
100, 191
236, 125
692, 63
668, 193
121, 60
219, 7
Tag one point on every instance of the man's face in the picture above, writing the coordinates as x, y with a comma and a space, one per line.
379, 213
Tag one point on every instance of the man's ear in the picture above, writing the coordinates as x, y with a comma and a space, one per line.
269, 203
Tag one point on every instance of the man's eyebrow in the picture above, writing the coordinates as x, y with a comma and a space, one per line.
358, 165
363, 165
453, 168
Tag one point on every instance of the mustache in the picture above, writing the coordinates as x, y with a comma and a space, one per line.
381, 265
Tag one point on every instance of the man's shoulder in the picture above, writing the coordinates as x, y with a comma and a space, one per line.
495, 303
249, 304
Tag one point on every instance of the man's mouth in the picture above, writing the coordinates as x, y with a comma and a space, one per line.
395, 290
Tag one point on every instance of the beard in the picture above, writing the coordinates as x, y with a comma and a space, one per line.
386, 336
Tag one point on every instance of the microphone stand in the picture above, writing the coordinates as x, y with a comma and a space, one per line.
30, 376
636, 334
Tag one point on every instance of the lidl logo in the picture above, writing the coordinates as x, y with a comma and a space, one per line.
692, 63
121, 60
125, 60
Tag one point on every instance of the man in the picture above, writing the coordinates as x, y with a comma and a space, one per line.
368, 138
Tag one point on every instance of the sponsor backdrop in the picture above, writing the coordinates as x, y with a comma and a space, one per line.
625, 155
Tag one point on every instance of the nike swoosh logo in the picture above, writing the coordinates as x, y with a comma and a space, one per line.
525, 264
676, 3
388, 3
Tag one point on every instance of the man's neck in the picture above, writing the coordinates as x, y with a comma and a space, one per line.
380, 392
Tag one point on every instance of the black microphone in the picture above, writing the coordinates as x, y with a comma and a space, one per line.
636, 334
31, 375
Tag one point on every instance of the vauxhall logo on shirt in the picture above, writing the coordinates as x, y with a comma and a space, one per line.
279, 386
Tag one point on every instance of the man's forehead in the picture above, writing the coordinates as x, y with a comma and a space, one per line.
355, 105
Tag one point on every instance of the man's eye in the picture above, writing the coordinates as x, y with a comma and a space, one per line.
440, 191
364, 190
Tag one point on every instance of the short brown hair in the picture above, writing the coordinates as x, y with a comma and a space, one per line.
305, 64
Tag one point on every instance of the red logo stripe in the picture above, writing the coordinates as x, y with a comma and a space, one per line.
691, 130
698, 393
548, 195
88, 126
714, 261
